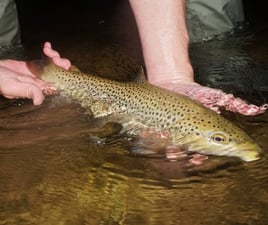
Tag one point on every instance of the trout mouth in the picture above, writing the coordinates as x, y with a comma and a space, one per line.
248, 152
250, 156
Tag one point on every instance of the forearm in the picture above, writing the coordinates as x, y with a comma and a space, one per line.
164, 38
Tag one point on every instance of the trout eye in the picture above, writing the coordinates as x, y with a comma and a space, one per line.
219, 138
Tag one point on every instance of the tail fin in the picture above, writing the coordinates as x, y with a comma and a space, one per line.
37, 67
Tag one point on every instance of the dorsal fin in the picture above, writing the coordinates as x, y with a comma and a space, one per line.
140, 76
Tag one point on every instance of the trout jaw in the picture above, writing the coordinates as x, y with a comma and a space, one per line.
250, 156
247, 151
245, 155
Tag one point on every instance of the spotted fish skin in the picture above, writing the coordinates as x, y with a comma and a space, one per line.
189, 124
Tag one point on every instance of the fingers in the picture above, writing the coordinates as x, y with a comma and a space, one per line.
55, 56
238, 105
47, 44
213, 99
13, 85
64, 63
49, 51
35, 89
25, 90
32, 80
34, 93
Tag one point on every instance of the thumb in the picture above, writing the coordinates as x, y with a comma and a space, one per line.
35, 93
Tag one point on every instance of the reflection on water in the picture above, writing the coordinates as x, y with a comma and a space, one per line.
52, 171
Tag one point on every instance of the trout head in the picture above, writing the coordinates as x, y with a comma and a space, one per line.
221, 144
227, 140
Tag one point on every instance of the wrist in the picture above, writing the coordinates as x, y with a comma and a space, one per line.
182, 74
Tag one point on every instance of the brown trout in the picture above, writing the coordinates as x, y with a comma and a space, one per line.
188, 123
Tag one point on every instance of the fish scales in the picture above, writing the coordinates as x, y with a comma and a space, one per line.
188, 123
137, 98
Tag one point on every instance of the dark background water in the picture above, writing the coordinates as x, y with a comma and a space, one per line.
54, 171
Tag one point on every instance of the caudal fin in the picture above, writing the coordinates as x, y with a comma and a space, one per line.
37, 67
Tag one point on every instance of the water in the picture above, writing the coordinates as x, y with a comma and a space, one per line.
51, 172
53, 169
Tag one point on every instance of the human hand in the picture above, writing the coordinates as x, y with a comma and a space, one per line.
16, 85
17, 81
212, 98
